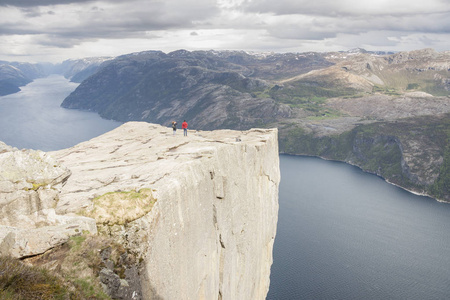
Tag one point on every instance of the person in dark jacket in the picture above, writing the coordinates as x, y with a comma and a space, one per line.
174, 127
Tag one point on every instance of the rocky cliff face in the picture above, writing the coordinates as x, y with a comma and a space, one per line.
13, 75
226, 89
211, 89
29, 185
198, 212
410, 152
78, 70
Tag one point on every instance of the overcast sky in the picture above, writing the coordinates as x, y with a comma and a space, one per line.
55, 30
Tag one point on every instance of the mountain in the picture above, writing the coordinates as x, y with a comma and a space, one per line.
78, 70
13, 75
212, 89
387, 114
424, 70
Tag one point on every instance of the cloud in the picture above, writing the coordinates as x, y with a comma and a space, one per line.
70, 26
33, 3
344, 7
102, 20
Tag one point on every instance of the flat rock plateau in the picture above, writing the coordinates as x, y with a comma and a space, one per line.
198, 212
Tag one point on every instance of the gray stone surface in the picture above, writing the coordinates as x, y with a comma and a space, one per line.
30, 182
19, 242
209, 235
211, 231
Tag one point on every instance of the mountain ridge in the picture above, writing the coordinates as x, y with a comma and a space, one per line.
14, 75
318, 101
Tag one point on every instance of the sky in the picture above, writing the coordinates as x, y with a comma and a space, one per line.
56, 30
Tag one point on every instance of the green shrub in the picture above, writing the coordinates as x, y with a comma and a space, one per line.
20, 281
441, 187
412, 86
76, 277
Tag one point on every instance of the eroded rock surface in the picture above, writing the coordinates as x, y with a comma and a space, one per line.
210, 232
30, 182
196, 215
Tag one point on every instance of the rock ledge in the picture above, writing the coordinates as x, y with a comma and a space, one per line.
200, 212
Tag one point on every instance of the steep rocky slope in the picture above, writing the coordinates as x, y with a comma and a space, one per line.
29, 185
425, 70
411, 152
211, 89
78, 70
310, 97
211, 230
15, 75
195, 216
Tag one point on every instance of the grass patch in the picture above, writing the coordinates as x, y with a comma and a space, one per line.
386, 90
20, 281
120, 208
308, 91
70, 271
261, 94
35, 186
412, 86
90, 290
81, 263
77, 241
78, 264
310, 97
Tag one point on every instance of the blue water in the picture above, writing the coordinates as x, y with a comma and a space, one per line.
346, 234
342, 233
33, 118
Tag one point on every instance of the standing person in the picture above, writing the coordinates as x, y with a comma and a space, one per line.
174, 127
184, 125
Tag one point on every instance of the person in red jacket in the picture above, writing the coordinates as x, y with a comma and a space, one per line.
184, 125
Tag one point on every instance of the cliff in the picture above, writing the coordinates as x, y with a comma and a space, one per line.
29, 184
198, 213
413, 153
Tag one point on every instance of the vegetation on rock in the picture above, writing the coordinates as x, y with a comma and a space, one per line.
380, 148
66, 272
21, 281
119, 208
83, 268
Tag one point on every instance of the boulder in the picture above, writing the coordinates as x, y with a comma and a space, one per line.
30, 182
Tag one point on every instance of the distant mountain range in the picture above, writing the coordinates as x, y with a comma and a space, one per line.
387, 113
212, 89
158, 87
13, 75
